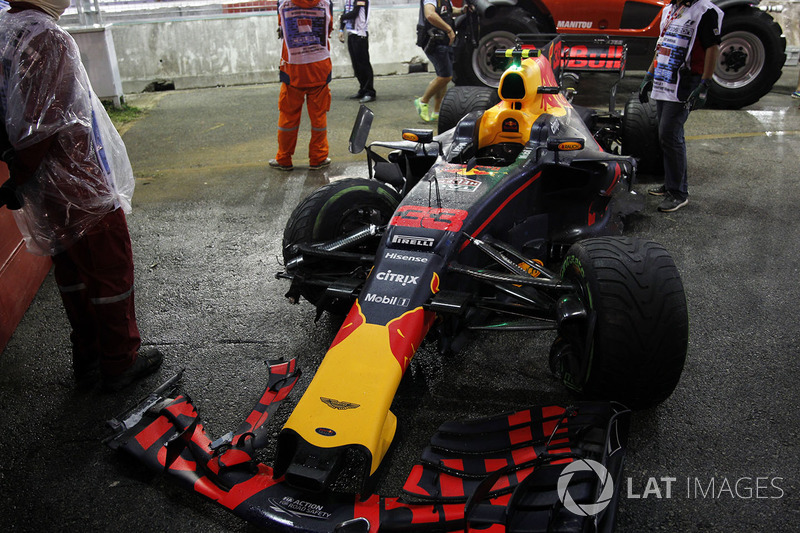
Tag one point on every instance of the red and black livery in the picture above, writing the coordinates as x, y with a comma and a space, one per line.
496, 474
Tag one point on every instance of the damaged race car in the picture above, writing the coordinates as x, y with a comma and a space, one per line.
510, 221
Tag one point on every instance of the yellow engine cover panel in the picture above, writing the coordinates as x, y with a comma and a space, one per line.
521, 103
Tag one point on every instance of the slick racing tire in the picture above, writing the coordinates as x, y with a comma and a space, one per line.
637, 318
460, 100
640, 136
752, 54
334, 210
476, 65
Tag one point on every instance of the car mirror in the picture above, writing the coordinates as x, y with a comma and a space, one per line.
361, 127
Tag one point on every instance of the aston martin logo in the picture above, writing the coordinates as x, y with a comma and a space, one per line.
336, 404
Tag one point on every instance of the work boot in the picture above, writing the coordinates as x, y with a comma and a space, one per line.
273, 163
146, 363
87, 375
325, 163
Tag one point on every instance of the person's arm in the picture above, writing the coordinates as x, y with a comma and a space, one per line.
353, 13
712, 54
709, 41
709, 36
433, 17
48, 94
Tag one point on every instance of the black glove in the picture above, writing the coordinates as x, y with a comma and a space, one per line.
645, 88
9, 197
697, 100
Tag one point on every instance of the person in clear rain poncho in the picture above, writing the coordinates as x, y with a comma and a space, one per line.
70, 187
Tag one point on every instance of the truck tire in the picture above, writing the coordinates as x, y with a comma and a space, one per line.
640, 136
751, 57
635, 297
460, 100
476, 65
332, 211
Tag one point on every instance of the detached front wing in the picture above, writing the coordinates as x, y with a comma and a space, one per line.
553, 468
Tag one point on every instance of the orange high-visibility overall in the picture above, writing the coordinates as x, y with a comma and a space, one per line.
305, 74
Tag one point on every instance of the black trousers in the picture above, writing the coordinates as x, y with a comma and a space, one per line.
358, 47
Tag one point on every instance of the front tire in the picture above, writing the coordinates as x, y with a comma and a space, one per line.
751, 58
637, 317
334, 210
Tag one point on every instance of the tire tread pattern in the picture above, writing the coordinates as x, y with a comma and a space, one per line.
642, 329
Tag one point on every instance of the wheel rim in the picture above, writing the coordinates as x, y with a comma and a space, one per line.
566, 362
741, 60
482, 57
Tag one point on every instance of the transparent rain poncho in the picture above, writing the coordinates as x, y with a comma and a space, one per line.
45, 92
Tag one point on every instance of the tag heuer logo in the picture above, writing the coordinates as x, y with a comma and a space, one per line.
336, 404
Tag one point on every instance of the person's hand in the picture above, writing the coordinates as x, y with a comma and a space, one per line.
9, 197
341, 36
697, 100
452, 36
645, 88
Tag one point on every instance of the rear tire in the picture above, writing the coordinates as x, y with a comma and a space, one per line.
640, 136
641, 326
460, 100
332, 211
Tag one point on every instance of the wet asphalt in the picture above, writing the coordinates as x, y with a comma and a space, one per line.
721, 454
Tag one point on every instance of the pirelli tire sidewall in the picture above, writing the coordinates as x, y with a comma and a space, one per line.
640, 336
335, 210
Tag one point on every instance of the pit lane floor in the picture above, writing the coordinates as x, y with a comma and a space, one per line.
721, 454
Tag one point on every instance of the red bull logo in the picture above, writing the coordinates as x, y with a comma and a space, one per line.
406, 333
351, 322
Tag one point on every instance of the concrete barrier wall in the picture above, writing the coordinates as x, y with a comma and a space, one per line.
241, 50
232, 50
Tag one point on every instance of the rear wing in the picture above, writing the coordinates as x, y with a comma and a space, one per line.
580, 54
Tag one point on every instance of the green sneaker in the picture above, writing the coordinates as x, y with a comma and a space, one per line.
422, 109
434, 116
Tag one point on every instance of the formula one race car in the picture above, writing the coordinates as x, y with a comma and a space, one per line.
510, 221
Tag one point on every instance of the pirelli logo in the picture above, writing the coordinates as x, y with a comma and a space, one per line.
407, 240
